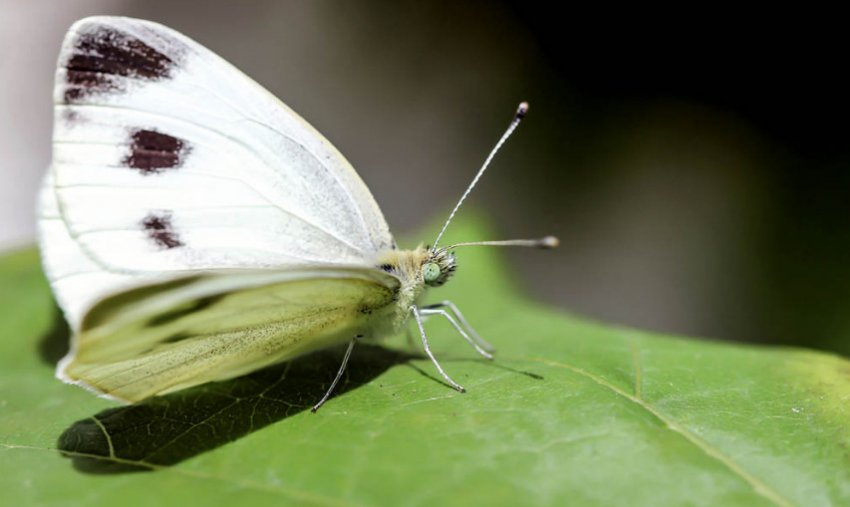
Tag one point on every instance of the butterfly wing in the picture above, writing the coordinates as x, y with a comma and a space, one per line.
214, 326
168, 160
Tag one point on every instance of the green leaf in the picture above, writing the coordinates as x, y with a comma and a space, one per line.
571, 413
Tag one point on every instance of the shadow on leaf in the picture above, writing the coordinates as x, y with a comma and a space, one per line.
56, 342
166, 430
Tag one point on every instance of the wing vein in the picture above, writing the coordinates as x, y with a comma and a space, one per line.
257, 191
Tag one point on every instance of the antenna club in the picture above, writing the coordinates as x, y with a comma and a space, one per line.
522, 110
549, 242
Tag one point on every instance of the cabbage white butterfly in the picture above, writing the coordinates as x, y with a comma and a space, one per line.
193, 228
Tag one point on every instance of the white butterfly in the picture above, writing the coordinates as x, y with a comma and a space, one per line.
194, 228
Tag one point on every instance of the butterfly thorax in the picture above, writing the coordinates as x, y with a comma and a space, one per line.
416, 269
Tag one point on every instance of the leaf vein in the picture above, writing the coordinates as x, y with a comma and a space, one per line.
759, 486
106, 435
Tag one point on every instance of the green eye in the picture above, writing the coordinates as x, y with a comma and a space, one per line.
431, 272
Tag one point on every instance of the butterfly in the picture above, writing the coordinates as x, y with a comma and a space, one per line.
193, 228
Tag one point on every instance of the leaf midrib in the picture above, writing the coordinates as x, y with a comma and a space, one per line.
760, 487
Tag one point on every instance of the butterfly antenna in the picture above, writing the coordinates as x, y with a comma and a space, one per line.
545, 243
520, 114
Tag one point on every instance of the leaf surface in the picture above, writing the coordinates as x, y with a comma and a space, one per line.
571, 411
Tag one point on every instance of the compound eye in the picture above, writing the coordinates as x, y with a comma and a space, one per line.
431, 272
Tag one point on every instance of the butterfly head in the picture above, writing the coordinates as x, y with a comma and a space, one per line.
440, 263
438, 267
435, 265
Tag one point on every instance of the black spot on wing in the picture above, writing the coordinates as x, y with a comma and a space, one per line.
152, 152
102, 56
160, 230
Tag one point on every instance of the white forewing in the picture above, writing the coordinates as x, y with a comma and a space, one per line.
167, 160
76, 279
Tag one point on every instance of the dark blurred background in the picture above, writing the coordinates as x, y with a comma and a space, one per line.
694, 164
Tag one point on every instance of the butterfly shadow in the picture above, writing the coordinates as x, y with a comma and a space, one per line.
165, 430
55, 343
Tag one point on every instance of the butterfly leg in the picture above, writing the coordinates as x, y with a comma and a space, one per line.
416, 315
408, 331
338, 376
463, 322
476, 346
